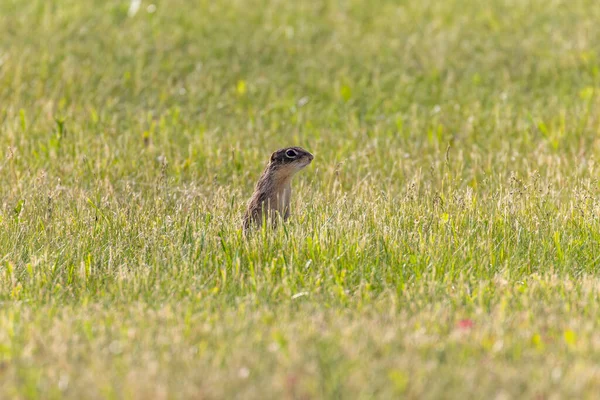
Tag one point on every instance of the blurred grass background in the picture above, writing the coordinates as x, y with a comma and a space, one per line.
444, 242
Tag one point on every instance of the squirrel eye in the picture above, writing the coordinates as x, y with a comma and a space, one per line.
291, 154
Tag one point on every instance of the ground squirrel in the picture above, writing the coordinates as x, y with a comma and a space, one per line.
273, 190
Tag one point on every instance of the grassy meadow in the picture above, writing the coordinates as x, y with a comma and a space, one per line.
444, 243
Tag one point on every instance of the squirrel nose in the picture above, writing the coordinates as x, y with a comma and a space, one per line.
310, 157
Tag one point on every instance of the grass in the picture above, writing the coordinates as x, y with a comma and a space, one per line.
443, 244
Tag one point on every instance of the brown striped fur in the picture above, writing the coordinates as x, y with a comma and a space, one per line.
273, 190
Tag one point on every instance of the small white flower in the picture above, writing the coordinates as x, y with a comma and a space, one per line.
134, 7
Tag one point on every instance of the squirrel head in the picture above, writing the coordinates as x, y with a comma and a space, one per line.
292, 158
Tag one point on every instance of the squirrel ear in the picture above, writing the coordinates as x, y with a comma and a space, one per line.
273, 156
